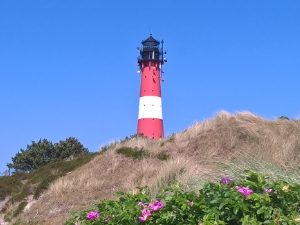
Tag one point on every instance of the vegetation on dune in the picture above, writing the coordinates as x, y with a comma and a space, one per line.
19, 186
134, 153
42, 152
254, 200
225, 145
140, 153
36, 168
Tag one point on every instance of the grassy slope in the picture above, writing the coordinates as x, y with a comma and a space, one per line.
20, 187
225, 144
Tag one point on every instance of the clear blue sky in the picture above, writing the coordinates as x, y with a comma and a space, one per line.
68, 67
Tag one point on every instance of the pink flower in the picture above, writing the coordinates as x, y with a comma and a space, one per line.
268, 190
155, 206
244, 191
92, 215
148, 209
226, 180
146, 213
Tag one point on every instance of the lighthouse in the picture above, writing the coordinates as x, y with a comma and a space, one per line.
150, 61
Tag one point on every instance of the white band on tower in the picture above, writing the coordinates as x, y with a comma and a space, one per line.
150, 107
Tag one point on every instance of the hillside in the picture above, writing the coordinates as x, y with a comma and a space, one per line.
226, 144
19, 191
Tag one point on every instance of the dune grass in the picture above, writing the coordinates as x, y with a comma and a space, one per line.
224, 145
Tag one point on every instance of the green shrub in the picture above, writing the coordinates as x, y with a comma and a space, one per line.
253, 200
43, 152
163, 156
284, 118
134, 153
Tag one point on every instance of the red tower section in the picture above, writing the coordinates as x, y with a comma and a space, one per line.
150, 119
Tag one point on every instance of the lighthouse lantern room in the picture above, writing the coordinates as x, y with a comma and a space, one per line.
150, 61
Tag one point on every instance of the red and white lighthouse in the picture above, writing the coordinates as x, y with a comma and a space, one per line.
151, 59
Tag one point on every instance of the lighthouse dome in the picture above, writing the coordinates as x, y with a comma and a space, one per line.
150, 42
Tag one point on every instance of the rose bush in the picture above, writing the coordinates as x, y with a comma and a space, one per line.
252, 200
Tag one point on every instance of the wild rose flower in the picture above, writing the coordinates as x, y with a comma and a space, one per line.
155, 206
268, 190
226, 180
190, 203
146, 213
244, 191
93, 215
148, 209
142, 204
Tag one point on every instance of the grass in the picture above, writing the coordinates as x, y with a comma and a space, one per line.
246, 161
20, 186
134, 153
10, 185
20, 208
46, 175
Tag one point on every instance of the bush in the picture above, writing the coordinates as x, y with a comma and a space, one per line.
252, 200
70, 147
284, 118
35, 155
44, 152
